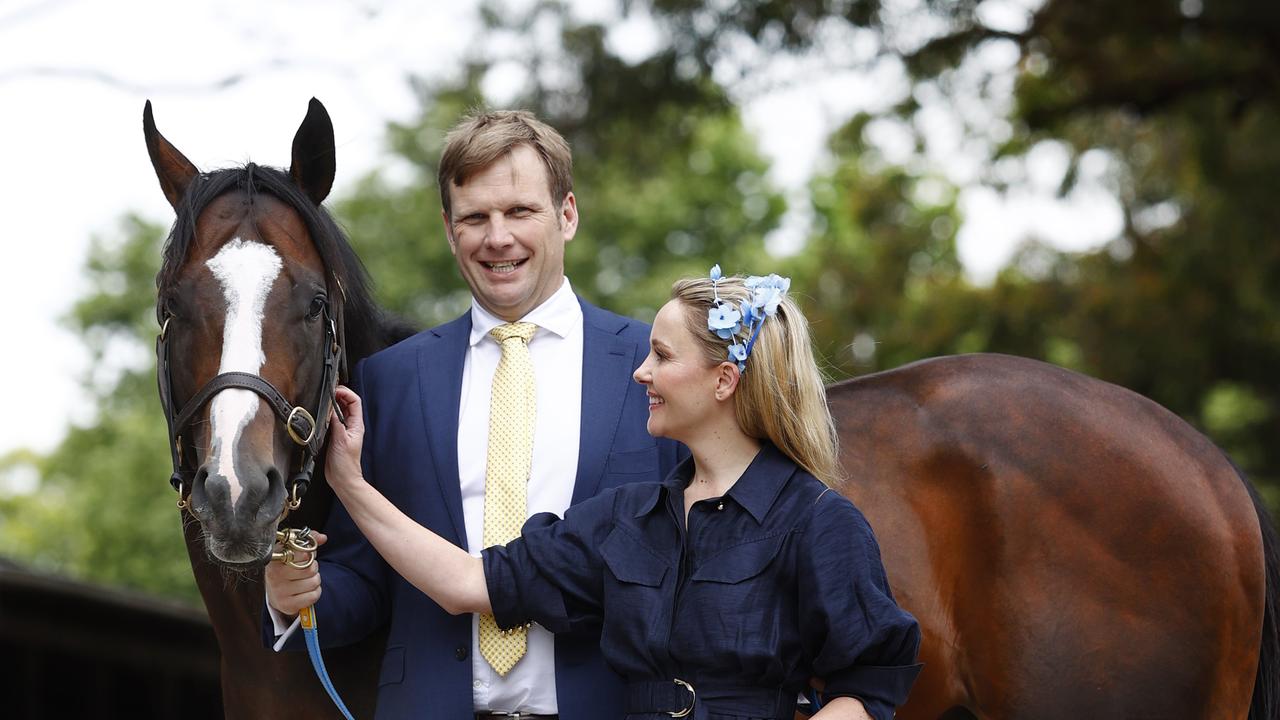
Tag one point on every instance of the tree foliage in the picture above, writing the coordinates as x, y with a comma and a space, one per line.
1183, 305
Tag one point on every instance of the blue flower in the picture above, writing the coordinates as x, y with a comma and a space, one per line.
715, 272
772, 280
738, 353
723, 320
767, 298
748, 314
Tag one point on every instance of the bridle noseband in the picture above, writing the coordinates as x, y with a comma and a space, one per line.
305, 428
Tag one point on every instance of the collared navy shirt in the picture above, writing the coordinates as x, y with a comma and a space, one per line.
771, 584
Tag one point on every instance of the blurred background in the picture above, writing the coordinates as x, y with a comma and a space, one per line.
1082, 181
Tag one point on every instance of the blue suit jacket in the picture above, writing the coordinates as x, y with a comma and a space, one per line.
411, 393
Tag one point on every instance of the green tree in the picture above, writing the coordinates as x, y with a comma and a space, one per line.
1179, 97
668, 183
667, 179
103, 510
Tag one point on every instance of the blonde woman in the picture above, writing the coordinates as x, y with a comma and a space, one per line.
720, 592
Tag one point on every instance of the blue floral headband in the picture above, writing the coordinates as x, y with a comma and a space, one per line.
729, 322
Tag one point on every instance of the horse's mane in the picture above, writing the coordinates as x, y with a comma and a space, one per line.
369, 328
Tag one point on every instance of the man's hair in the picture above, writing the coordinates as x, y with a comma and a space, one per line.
781, 396
481, 138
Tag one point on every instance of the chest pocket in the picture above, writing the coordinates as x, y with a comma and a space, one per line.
631, 561
740, 562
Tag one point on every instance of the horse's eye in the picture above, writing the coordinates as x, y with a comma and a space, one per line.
317, 307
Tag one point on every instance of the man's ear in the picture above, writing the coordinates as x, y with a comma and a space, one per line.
569, 216
727, 378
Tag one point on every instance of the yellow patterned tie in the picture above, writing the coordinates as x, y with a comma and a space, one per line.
511, 413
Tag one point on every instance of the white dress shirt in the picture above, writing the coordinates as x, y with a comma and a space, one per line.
556, 352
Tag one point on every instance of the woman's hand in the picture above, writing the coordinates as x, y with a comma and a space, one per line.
342, 462
289, 589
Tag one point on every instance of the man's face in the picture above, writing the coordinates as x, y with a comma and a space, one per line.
508, 235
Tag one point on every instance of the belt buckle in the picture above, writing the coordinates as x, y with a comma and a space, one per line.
693, 699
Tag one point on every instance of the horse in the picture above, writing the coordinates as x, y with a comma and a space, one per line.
1070, 548
263, 305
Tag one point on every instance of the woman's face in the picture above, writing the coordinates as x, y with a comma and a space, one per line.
681, 384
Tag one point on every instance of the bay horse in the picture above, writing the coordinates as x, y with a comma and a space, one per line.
1071, 549
262, 304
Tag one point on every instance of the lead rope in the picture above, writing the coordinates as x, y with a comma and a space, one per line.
294, 540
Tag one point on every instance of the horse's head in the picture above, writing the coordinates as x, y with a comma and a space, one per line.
251, 305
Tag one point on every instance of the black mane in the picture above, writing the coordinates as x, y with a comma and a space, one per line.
368, 327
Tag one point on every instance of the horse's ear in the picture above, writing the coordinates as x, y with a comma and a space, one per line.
173, 169
313, 156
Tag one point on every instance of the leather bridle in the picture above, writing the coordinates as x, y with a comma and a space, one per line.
306, 428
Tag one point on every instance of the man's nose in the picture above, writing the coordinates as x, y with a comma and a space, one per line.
499, 234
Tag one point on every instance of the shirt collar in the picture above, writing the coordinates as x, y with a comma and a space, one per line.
558, 314
763, 480
755, 491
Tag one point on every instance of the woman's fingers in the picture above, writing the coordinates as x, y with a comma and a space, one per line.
350, 404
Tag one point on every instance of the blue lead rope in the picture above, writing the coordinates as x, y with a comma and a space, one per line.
308, 617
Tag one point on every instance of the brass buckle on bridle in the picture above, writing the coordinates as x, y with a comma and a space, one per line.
288, 425
294, 540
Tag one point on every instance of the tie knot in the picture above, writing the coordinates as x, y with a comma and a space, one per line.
507, 331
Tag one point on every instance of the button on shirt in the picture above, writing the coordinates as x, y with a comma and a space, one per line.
556, 353
775, 582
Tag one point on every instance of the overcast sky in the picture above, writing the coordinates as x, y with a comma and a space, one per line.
229, 82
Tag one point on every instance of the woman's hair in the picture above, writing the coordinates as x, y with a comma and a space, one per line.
781, 396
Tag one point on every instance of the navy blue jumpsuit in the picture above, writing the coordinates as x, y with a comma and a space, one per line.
774, 583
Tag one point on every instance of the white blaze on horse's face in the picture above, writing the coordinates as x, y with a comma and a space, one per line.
246, 271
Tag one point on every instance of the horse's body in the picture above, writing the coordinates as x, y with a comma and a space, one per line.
1071, 549
258, 281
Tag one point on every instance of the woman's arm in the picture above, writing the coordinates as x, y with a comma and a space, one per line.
437, 567
842, 708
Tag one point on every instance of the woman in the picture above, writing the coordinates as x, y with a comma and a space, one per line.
721, 591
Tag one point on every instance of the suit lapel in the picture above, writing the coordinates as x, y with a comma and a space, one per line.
440, 362
606, 371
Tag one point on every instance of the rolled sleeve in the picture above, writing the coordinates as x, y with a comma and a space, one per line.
551, 574
861, 643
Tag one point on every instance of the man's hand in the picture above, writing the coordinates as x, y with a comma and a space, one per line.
289, 589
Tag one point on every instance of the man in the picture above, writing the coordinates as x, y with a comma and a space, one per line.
439, 414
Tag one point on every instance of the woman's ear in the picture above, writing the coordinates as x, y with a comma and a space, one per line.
727, 378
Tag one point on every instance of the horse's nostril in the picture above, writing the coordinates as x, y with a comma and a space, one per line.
273, 479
